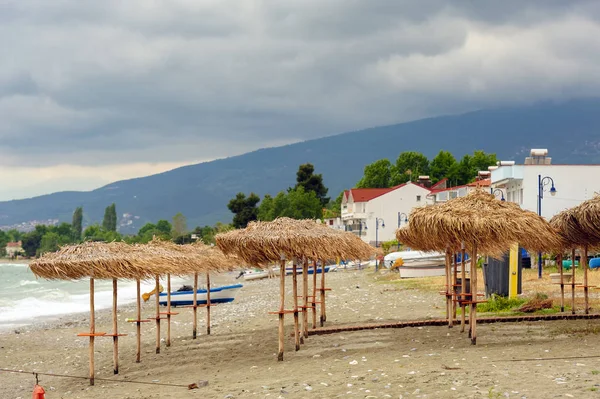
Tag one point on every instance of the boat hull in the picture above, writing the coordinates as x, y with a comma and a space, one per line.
217, 295
422, 269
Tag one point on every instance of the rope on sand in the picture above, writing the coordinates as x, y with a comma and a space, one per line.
36, 374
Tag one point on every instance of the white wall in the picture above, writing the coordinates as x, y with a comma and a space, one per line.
387, 206
574, 184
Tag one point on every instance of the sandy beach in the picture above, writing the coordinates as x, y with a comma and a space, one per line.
238, 359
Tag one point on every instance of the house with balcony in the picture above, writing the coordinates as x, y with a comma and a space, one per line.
539, 182
374, 214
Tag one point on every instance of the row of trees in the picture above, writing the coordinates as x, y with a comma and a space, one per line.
409, 165
305, 200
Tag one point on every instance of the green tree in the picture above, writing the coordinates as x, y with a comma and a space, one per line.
93, 233
444, 165
14, 235
409, 165
376, 175
309, 181
77, 223
4, 239
164, 227
50, 242
469, 166
303, 205
109, 223
244, 209
179, 225
265, 209
31, 241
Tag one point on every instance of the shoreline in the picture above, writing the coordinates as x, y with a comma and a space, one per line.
238, 358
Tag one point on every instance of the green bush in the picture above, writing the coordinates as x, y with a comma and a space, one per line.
499, 303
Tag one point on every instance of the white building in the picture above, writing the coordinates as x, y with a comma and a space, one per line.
572, 184
375, 213
444, 193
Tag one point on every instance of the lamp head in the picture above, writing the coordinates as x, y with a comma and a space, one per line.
502, 199
382, 223
552, 191
405, 220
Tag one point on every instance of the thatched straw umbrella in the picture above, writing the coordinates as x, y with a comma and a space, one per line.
579, 227
264, 242
482, 222
96, 260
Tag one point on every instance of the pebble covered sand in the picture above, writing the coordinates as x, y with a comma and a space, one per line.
238, 359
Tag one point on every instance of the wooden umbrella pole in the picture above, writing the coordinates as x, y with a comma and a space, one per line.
115, 330
195, 308
448, 286
281, 308
474, 296
168, 309
463, 290
573, 281
92, 330
559, 260
305, 297
584, 265
454, 281
207, 303
297, 337
157, 316
138, 354
314, 292
323, 313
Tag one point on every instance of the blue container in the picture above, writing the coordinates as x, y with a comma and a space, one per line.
594, 263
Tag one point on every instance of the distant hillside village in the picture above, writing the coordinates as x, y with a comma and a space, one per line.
537, 185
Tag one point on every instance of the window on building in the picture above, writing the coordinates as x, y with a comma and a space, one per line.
331, 222
418, 198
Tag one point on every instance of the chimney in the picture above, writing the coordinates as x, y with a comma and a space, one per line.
538, 156
424, 181
484, 174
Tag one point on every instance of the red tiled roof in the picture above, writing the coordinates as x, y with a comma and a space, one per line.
13, 244
367, 194
436, 185
479, 183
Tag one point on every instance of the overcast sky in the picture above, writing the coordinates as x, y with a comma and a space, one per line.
96, 91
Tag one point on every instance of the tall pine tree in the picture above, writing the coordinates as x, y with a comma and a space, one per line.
77, 223
109, 223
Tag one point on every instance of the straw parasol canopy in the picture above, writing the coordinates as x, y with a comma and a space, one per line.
478, 218
99, 260
580, 225
263, 242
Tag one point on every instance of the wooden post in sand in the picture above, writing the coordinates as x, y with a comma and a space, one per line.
207, 303
138, 322
156, 291
92, 330
559, 260
314, 297
323, 313
454, 280
195, 307
473, 315
281, 309
305, 298
448, 289
115, 329
584, 265
463, 289
168, 309
297, 338
573, 281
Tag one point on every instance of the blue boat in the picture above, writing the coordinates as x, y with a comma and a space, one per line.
222, 294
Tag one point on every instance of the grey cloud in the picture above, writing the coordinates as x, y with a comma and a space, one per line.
97, 82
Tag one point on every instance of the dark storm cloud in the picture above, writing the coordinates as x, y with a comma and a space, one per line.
110, 82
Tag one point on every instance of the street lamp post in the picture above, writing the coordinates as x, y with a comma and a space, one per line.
400, 214
542, 183
495, 194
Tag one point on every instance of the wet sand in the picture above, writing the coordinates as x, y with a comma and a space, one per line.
238, 359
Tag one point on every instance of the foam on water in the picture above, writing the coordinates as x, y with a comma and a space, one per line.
23, 299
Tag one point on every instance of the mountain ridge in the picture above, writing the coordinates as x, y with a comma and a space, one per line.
570, 130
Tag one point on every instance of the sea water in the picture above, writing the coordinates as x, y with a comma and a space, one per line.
25, 299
